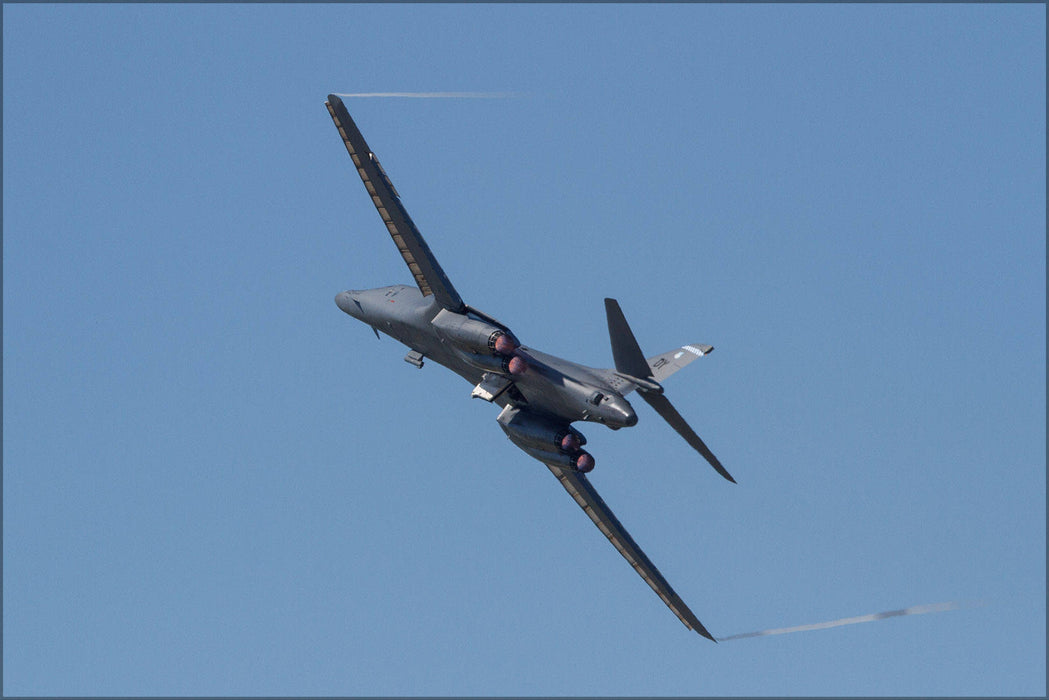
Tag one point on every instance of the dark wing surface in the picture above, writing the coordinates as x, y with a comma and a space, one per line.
423, 265
579, 488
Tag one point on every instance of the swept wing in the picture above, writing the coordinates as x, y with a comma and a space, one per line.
580, 489
422, 263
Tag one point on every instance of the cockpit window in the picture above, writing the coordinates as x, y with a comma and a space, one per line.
596, 398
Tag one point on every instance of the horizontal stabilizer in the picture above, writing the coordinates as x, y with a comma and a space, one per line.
662, 366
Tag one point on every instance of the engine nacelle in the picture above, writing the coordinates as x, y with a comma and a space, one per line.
546, 439
582, 462
471, 335
486, 362
529, 429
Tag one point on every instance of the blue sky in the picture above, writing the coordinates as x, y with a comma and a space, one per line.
217, 483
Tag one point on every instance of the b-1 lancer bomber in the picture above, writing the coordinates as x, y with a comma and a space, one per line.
540, 395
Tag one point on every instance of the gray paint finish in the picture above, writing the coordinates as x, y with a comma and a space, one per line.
540, 395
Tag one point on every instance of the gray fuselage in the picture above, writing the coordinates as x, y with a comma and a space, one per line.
550, 385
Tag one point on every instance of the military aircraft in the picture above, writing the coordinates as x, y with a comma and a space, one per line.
540, 395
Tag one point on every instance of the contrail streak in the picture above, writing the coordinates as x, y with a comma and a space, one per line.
467, 95
916, 610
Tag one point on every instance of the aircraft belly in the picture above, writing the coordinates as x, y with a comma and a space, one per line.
548, 390
550, 385
435, 350
544, 390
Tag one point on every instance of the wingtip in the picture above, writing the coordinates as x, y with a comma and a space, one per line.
720, 469
702, 631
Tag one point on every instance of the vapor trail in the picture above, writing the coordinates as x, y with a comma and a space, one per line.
916, 610
468, 95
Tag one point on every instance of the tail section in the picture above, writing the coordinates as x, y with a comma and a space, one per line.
632, 366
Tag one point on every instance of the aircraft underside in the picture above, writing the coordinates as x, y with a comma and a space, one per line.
540, 395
